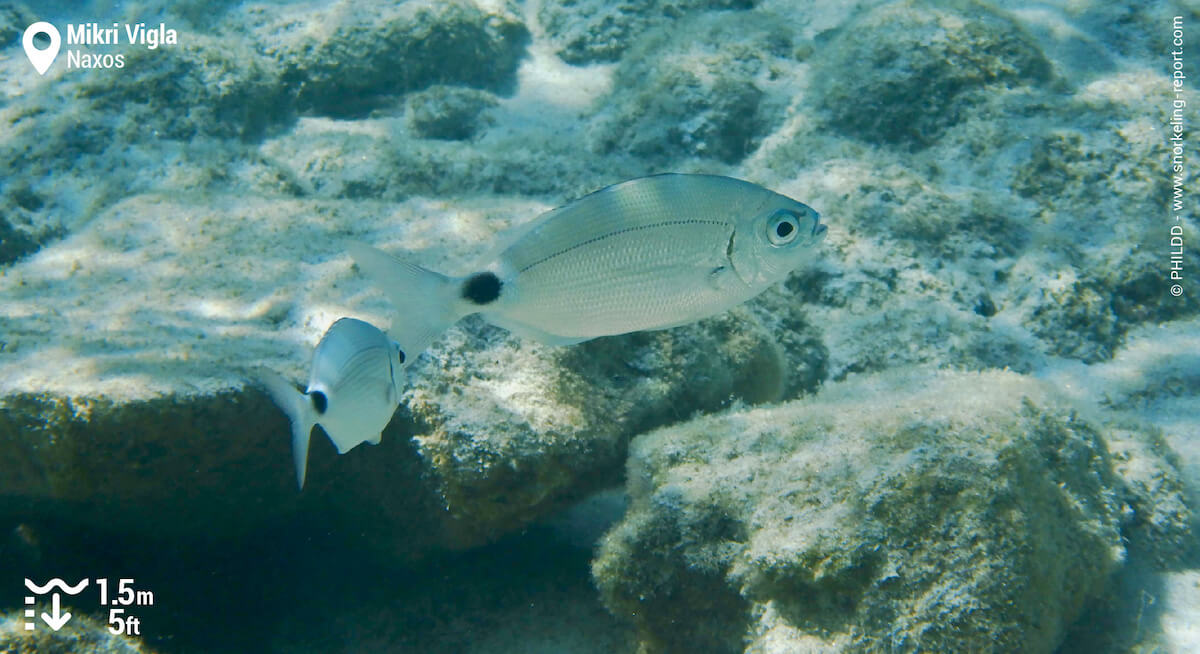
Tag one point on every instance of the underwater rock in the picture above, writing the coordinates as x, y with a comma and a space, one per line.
230, 91
890, 304
503, 431
908, 510
1154, 378
1161, 531
88, 138
448, 113
917, 67
384, 160
1060, 227
702, 91
19, 240
125, 350
1097, 188
590, 31
1077, 321
1133, 29
510, 428
334, 159
14, 18
367, 55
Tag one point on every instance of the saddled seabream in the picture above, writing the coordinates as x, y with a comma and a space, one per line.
353, 389
649, 253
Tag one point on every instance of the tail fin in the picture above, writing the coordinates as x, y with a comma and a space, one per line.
426, 302
296, 405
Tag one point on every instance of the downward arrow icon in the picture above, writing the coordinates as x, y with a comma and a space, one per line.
55, 621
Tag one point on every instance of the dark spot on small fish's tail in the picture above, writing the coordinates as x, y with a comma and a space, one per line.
482, 288
320, 402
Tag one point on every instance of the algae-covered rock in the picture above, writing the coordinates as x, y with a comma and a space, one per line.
229, 89
1053, 246
1153, 378
14, 18
502, 431
1161, 529
586, 31
20, 239
365, 55
89, 138
1099, 187
509, 428
917, 66
390, 159
194, 470
448, 113
915, 211
902, 512
1077, 321
329, 159
691, 93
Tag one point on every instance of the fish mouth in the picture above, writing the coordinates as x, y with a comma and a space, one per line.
818, 228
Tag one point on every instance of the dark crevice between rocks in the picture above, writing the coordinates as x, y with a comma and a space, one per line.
322, 594
17, 243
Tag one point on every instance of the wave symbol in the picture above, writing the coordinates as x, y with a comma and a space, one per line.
55, 583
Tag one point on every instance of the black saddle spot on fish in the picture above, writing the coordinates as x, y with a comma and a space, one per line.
482, 288
400, 355
320, 402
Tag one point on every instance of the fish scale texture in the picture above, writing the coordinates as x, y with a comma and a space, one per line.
576, 296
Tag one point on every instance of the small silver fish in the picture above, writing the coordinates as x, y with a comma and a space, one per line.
649, 253
353, 389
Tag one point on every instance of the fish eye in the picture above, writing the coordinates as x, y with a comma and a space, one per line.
782, 228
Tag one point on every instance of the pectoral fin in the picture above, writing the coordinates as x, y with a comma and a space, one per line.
722, 278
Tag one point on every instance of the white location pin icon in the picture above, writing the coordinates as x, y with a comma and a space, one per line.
41, 59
